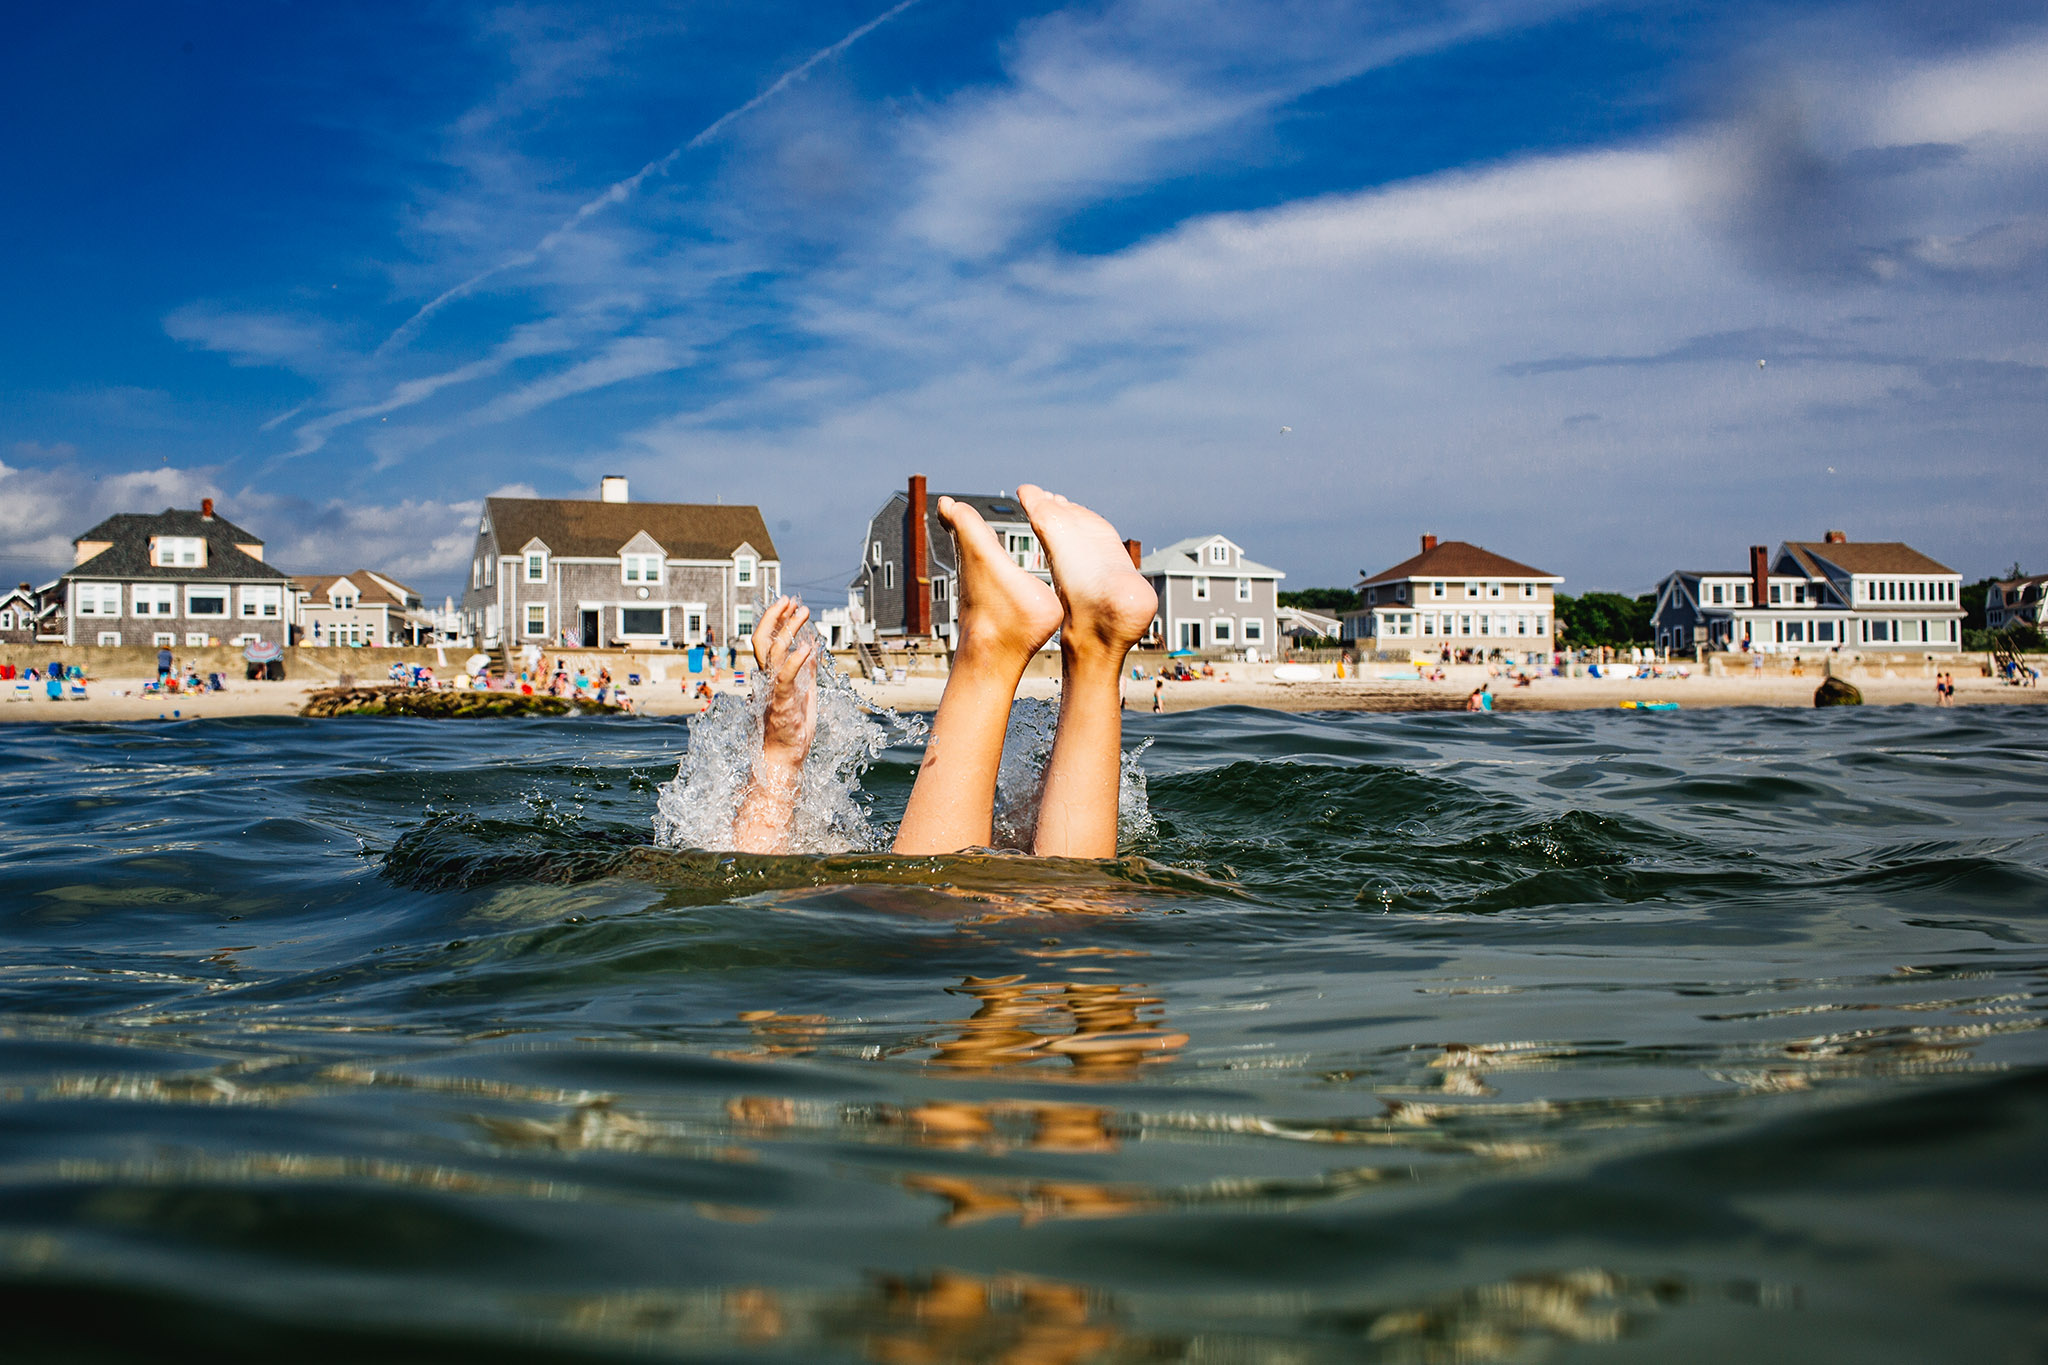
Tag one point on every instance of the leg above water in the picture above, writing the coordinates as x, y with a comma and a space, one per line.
1108, 606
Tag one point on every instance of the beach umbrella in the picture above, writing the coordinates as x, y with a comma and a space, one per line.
1180, 654
262, 651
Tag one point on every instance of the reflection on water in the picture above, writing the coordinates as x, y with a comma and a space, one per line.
1394, 1038
950, 1318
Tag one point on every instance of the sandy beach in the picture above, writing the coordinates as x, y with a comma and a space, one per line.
122, 699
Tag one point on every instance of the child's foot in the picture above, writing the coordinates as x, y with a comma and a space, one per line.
1109, 605
1003, 609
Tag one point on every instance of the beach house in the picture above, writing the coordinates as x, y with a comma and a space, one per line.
1833, 593
1213, 598
907, 585
611, 572
22, 613
175, 578
1456, 595
2014, 602
363, 609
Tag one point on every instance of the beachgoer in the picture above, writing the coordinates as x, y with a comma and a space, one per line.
1158, 695
1474, 702
164, 664
1100, 606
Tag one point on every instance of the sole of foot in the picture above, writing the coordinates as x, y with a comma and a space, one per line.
1003, 607
1108, 602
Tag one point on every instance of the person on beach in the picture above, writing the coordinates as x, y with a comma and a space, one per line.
1100, 606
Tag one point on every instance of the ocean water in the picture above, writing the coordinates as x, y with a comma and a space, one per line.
1594, 1036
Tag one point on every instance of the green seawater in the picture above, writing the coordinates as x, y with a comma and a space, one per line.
1601, 1036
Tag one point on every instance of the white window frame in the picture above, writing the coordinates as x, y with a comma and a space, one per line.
196, 639
91, 598
875, 554
1493, 589
169, 552
745, 568
109, 637
1252, 630
1222, 631
532, 560
1244, 590
1528, 590
1436, 589
1472, 589
1201, 587
261, 596
163, 639
6, 619
641, 569
226, 602
526, 625
1219, 553
889, 573
743, 621
624, 634
939, 588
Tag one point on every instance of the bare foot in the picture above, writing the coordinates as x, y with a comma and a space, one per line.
1003, 609
1109, 605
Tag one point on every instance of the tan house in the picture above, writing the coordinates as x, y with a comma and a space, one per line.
363, 610
1459, 596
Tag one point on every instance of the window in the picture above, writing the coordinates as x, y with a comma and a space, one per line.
1777, 594
197, 639
476, 573
156, 599
171, 552
1464, 625
1428, 626
644, 621
1717, 594
641, 568
110, 637
1521, 625
1484, 621
1219, 630
97, 599
1202, 590
536, 618
6, 620
1741, 594
743, 570
939, 589
1471, 590
341, 599
1400, 592
263, 602
163, 639
875, 553
1493, 589
1254, 630
1528, 590
1540, 621
1824, 630
889, 574
206, 601
1219, 553
1244, 590
1436, 590
743, 622
536, 567
1372, 596
1024, 549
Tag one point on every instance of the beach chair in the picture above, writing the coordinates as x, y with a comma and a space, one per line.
78, 691
20, 692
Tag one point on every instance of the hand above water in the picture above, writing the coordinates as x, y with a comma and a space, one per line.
790, 659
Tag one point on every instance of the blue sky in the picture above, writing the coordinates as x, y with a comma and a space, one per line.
1504, 268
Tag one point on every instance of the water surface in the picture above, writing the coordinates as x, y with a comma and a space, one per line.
1589, 1036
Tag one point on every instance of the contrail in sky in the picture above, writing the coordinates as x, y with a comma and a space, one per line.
625, 189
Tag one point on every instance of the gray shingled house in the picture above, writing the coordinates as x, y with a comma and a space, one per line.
906, 586
176, 578
614, 573
1212, 597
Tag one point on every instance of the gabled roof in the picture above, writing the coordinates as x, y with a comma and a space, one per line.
1456, 559
1863, 556
997, 509
1181, 557
588, 529
128, 555
372, 588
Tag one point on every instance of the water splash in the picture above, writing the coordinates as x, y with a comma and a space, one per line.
1020, 781
833, 814
696, 809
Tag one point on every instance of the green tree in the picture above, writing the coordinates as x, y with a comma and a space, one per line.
1329, 601
1604, 618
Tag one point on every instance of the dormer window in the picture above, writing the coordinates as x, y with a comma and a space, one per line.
743, 570
1219, 553
178, 552
642, 568
341, 601
536, 566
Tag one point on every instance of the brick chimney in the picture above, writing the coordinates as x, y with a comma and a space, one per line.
1837, 538
917, 582
206, 508
1137, 553
1759, 576
1428, 544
